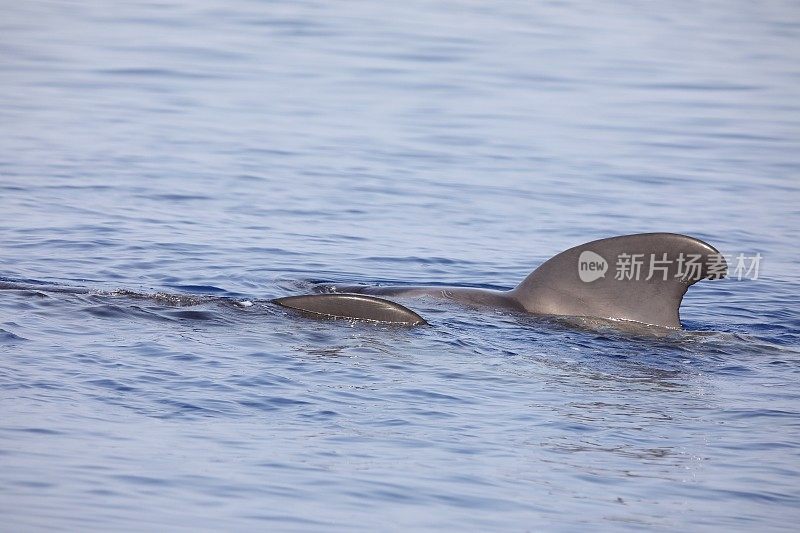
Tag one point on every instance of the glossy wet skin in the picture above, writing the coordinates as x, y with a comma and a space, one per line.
460, 295
352, 306
555, 288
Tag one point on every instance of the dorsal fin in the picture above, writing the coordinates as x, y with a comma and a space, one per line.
355, 306
599, 278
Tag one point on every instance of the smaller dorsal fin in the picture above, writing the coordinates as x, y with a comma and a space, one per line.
353, 306
633, 277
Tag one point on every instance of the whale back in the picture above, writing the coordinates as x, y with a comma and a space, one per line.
639, 277
351, 306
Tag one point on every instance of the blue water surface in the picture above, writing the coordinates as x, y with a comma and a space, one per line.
178, 164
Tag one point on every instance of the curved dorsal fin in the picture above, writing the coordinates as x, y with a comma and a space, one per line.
354, 306
633, 277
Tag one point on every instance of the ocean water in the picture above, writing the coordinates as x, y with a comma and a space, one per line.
166, 168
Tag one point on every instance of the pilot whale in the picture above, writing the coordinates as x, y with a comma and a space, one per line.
639, 278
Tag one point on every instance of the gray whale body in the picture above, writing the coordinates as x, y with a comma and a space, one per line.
354, 306
653, 272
